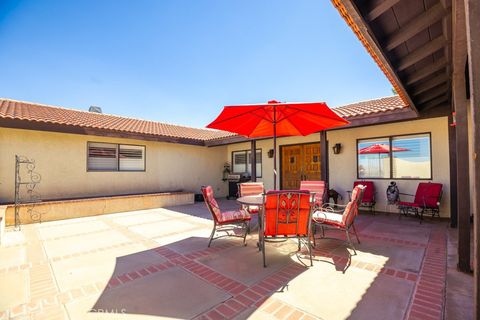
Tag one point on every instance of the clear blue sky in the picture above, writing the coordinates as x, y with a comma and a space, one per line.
180, 61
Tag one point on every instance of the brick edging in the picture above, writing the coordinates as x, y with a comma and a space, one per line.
428, 299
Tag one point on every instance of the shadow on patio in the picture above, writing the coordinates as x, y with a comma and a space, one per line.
187, 280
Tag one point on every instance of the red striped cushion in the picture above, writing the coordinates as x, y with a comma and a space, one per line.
250, 188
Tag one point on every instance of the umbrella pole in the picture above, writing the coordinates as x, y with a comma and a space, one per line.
274, 148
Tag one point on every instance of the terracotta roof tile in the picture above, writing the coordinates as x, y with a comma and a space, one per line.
56, 115
370, 106
20, 110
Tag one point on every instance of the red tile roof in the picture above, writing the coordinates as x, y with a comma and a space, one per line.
39, 113
35, 112
370, 107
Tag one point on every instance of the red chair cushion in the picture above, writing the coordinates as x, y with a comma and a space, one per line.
211, 203
222, 217
234, 216
318, 187
287, 213
428, 194
369, 192
252, 209
250, 188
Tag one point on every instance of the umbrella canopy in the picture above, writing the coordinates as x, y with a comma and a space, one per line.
277, 119
380, 148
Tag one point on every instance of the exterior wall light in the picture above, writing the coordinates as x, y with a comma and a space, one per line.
270, 153
337, 148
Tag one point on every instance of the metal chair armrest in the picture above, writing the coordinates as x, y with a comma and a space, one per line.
320, 219
407, 194
331, 207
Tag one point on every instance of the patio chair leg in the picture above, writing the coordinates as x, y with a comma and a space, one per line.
350, 242
299, 244
212, 234
247, 229
314, 232
309, 245
263, 253
356, 235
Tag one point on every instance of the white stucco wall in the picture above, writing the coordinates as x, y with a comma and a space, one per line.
61, 160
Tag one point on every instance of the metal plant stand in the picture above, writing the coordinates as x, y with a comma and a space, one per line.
26, 180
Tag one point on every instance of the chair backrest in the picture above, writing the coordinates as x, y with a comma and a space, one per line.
211, 203
287, 213
369, 191
318, 187
250, 188
428, 194
351, 210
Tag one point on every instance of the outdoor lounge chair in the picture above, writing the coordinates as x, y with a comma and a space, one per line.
225, 221
330, 216
369, 192
319, 188
288, 214
426, 200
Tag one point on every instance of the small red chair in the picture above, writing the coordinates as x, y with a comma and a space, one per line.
369, 192
426, 200
318, 188
223, 221
287, 214
331, 217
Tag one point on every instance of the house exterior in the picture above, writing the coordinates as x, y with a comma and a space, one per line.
81, 154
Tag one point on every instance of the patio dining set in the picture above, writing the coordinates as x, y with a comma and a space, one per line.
284, 214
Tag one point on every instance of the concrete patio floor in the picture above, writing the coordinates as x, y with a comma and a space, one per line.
156, 264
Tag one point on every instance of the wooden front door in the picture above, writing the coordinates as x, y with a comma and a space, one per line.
300, 162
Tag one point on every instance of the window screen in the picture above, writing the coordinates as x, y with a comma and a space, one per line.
132, 158
102, 156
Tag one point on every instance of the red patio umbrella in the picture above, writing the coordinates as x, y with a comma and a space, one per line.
277, 119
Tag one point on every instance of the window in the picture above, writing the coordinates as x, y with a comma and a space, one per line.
374, 158
241, 162
396, 157
411, 157
115, 157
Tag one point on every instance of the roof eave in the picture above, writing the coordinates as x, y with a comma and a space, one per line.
354, 19
65, 128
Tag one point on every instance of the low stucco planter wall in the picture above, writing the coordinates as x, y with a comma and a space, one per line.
67, 209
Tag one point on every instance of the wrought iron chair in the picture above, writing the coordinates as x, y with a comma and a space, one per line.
319, 190
368, 199
227, 220
287, 214
330, 216
426, 200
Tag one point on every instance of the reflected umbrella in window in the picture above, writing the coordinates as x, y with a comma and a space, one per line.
379, 149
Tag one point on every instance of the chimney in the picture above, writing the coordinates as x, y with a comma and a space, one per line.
95, 109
